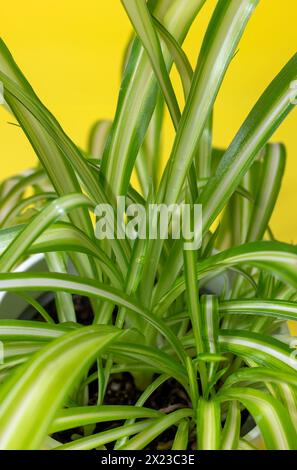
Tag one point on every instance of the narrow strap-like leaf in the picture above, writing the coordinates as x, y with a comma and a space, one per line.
208, 436
231, 431
70, 418
261, 374
141, 440
210, 323
98, 138
150, 389
180, 59
262, 349
270, 415
144, 27
64, 302
210, 329
288, 396
273, 308
182, 436
221, 40
147, 355
193, 297
97, 440
270, 183
26, 330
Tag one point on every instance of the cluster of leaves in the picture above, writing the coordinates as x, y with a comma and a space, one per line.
214, 319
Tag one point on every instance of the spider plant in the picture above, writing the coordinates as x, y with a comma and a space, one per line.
214, 318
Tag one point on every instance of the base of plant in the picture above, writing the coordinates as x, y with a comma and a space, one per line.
122, 389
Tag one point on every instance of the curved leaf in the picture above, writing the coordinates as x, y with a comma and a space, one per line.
261, 374
97, 440
271, 179
141, 19
71, 418
264, 350
231, 431
270, 415
145, 437
280, 309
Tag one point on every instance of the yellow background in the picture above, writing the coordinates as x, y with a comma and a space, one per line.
71, 52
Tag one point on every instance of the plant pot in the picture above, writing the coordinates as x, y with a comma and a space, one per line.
13, 306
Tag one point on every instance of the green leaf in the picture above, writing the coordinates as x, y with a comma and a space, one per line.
97, 440
181, 439
220, 43
269, 188
153, 141
208, 437
64, 237
142, 172
210, 330
261, 374
38, 307
24, 204
26, 330
270, 415
146, 394
280, 309
204, 153
288, 397
141, 19
98, 138
64, 304
180, 59
20, 349
10, 198
231, 431
263, 120
145, 437
210, 323
71, 418
245, 445
262, 349
193, 297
